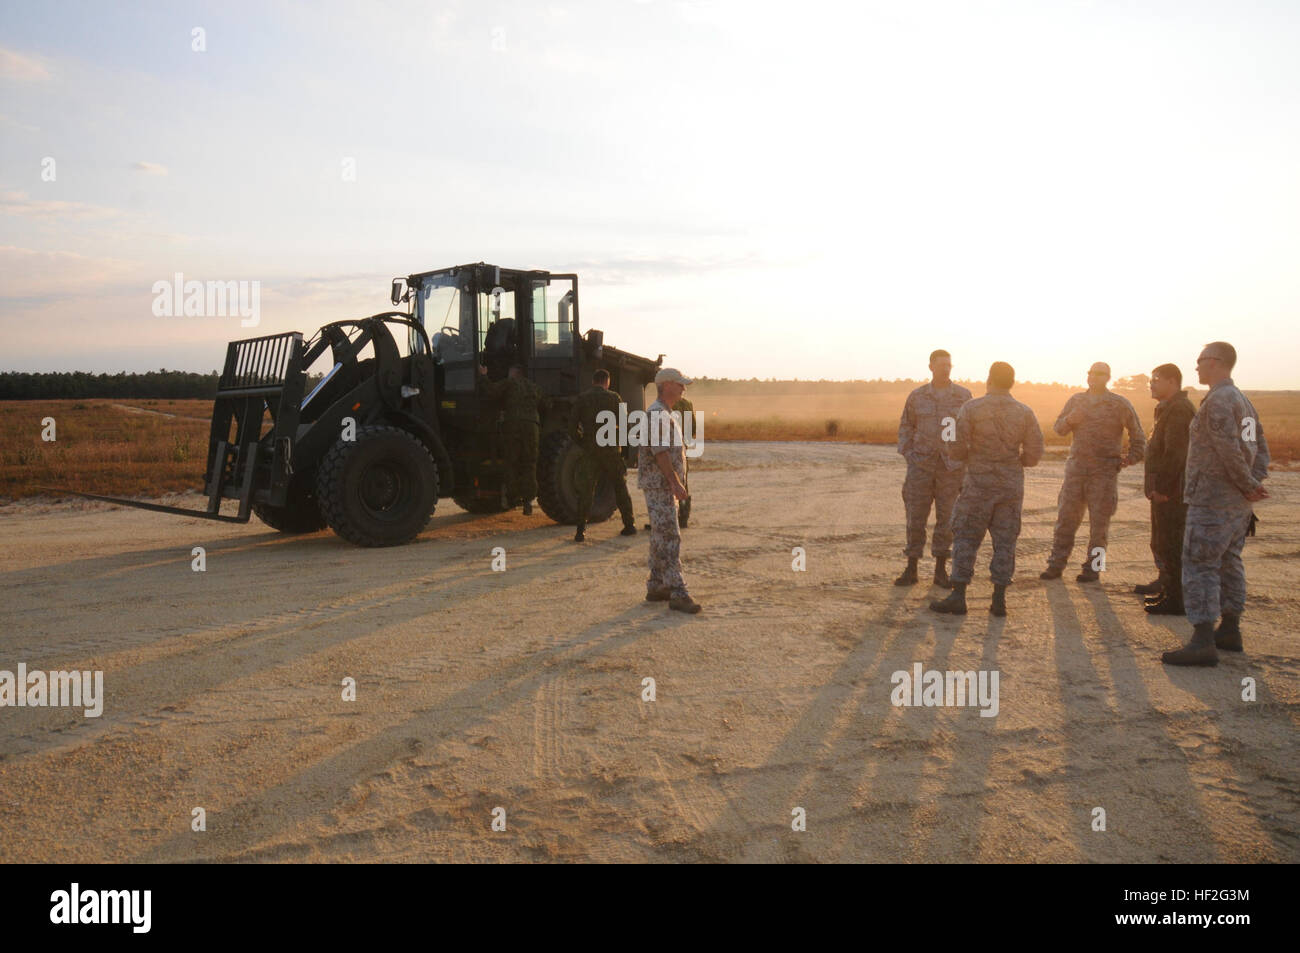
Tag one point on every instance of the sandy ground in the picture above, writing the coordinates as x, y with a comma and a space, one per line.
523, 690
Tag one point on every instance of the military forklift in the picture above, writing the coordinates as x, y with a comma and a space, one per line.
397, 418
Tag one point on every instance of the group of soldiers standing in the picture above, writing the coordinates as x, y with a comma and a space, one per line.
966, 458
1203, 471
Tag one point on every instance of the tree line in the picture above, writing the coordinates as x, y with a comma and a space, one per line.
54, 385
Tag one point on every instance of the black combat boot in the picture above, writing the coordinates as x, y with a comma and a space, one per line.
909, 577
955, 604
941, 573
1171, 603
1051, 572
580, 536
1228, 635
1168, 602
1152, 588
528, 507
628, 530
1199, 651
999, 604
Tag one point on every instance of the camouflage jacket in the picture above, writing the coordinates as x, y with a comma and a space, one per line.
1223, 464
1097, 439
997, 435
920, 429
664, 434
583, 425
1167, 449
523, 400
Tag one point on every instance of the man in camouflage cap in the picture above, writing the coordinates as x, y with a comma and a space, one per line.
997, 437
1097, 418
661, 474
933, 477
1227, 460
521, 429
598, 460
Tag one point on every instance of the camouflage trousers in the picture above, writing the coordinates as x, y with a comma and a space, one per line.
592, 465
521, 439
1168, 523
1095, 489
665, 543
921, 487
989, 503
1214, 578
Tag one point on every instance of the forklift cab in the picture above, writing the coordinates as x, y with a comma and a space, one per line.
485, 314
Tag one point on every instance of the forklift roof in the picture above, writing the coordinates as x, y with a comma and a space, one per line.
479, 267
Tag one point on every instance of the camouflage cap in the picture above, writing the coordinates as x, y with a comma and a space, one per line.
672, 374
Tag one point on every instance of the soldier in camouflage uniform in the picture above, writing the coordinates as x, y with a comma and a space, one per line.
1098, 419
1227, 460
997, 437
682, 408
933, 477
661, 474
597, 460
1162, 482
521, 430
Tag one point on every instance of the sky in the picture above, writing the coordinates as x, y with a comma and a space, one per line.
753, 189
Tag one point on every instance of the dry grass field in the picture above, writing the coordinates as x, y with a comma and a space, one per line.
148, 447
102, 446
868, 411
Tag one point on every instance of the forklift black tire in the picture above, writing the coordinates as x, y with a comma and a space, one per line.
300, 514
557, 490
379, 489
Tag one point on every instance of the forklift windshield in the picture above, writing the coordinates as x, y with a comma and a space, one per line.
440, 305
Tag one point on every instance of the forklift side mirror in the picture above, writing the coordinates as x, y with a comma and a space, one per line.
399, 290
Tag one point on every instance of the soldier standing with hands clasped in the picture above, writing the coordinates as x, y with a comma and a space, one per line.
1162, 482
933, 476
1098, 419
1227, 458
997, 437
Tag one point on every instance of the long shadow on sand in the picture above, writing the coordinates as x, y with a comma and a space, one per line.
223, 653
1097, 743
243, 826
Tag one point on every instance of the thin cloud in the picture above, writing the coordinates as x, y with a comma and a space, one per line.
150, 168
617, 271
21, 67
11, 121
18, 203
30, 275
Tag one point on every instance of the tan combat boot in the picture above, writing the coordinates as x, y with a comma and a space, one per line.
684, 604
